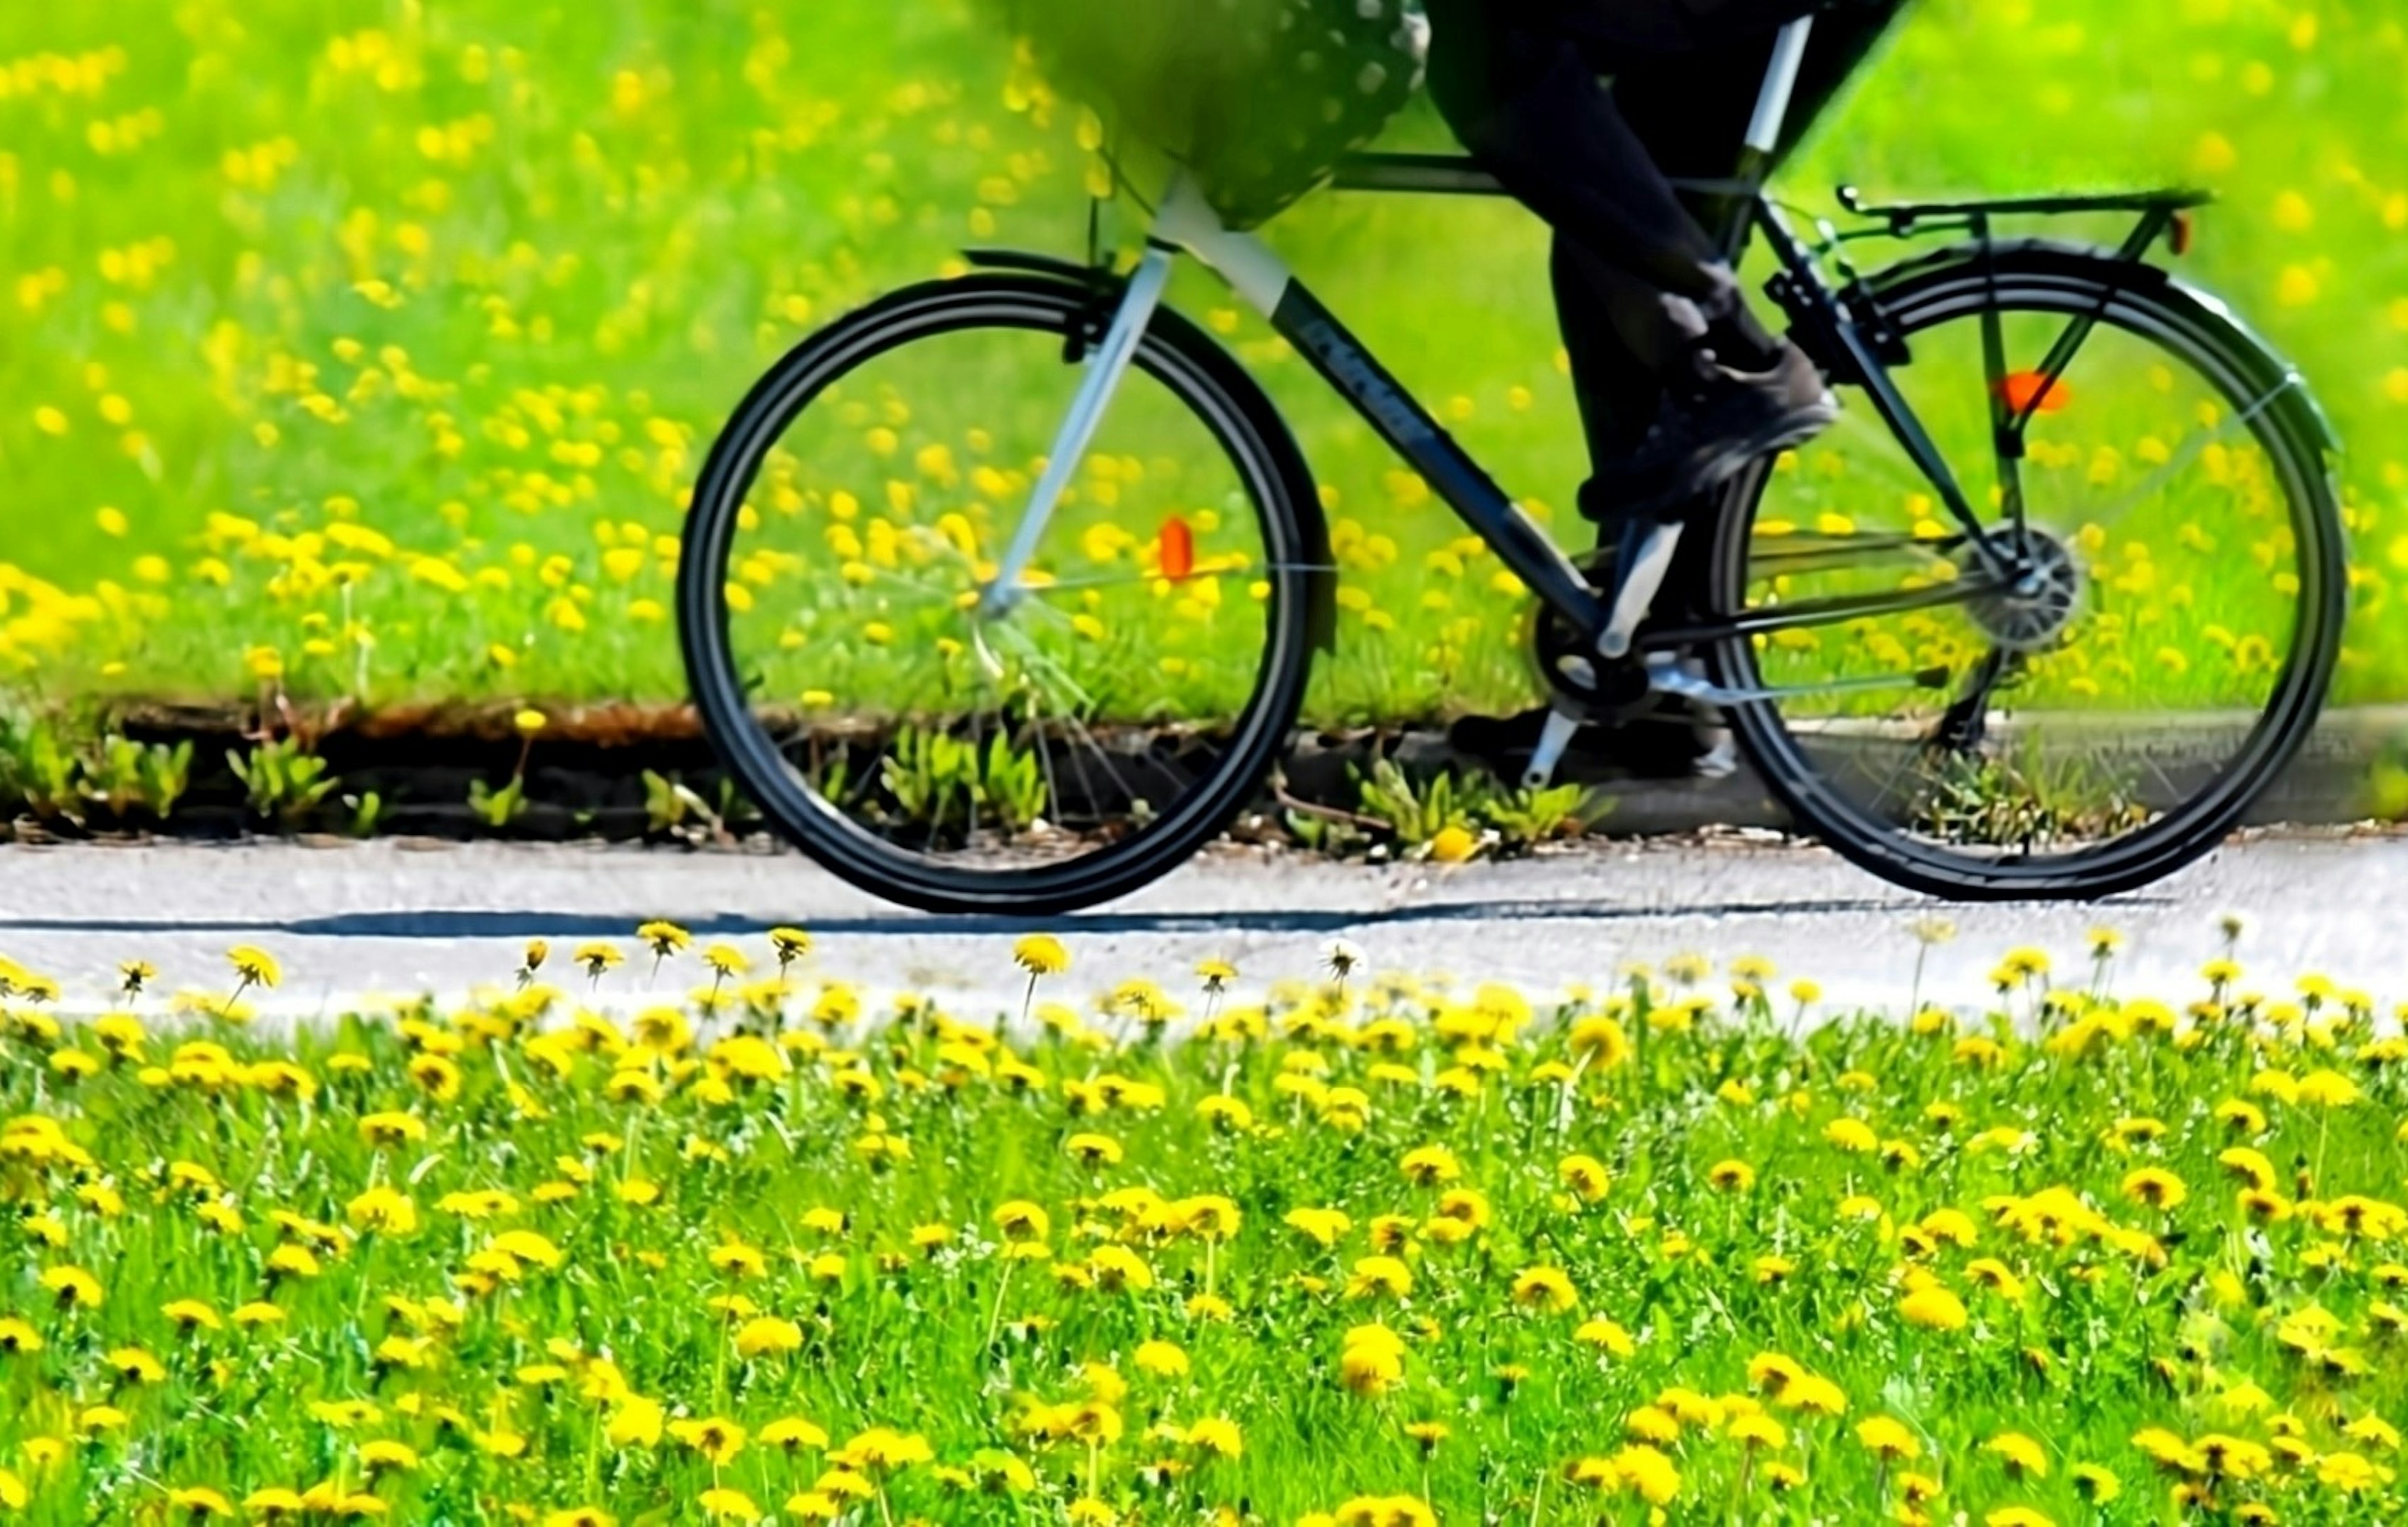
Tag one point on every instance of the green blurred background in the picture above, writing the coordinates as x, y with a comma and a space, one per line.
343, 343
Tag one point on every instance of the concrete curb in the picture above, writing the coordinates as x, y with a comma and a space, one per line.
587, 779
2334, 780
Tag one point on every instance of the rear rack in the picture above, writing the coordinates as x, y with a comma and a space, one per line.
1906, 217
1458, 175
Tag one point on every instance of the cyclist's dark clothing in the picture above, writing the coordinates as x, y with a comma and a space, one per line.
1583, 108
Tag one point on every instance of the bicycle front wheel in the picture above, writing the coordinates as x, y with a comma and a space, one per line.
2113, 719
960, 747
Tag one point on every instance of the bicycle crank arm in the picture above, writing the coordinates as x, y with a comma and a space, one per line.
1665, 676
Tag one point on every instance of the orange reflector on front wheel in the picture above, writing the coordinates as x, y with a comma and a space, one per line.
2020, 388
1178, 550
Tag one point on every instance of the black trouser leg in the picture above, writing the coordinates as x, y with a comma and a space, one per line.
1691, 113
1615, 381
1593, 160
1529, 104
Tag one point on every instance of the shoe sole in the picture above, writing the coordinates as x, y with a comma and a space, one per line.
1729, 458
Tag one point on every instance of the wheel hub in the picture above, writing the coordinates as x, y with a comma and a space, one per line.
2034, 613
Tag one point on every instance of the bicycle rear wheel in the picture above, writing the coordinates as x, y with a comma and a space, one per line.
2116, 723
1049, 750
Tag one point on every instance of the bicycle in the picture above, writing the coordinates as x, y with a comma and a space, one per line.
2064, 686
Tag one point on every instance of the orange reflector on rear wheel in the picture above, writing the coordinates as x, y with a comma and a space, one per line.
2021, 387
1178, 550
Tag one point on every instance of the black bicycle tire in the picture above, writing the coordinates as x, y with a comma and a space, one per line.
1242, 418
1955, 284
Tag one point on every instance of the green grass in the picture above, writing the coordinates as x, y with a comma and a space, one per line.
1491, 1254
351, 341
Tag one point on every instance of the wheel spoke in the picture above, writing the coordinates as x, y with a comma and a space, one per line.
2189, 454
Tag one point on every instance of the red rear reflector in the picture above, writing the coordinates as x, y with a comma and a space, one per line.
2178, 239
2021, 387
1177, 547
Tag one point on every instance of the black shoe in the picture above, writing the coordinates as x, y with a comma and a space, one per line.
1674, 739
1702, 440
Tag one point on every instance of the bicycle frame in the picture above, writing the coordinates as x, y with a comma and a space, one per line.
1847, 343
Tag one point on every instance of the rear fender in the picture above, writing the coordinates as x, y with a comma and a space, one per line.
2267, 368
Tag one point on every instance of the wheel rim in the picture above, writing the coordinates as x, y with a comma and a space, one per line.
2058, 748
930, 730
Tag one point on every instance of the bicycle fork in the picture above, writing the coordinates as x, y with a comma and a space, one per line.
1107, 367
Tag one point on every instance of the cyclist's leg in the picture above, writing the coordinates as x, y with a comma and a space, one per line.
1690, 113
1529, 104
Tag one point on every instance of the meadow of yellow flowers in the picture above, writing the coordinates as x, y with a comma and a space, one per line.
1368, 1249
369, 349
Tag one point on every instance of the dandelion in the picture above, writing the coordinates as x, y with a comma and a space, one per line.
135, 976
1216, 976
793, 1433
1887, 1438
1143, 1000
1585, 1177
663, 938
389, 1129
1163, 1360
1731, 1176
383, 1210
252, 968
2329, 1089
2155, 1188
767, 1336
1928, 933
1379, 1277
1371, 1360
1040, 954
538, 951
2023, 1457
2097, 1484
199, 1502
1933, 1308
635, 1422
724, 962
715, 1437
791, 946
71, 1288
1428, 1166
1219, 1436
598, 960
1546, 1288
1342, 958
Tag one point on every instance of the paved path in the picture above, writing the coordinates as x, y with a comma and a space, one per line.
353, 922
